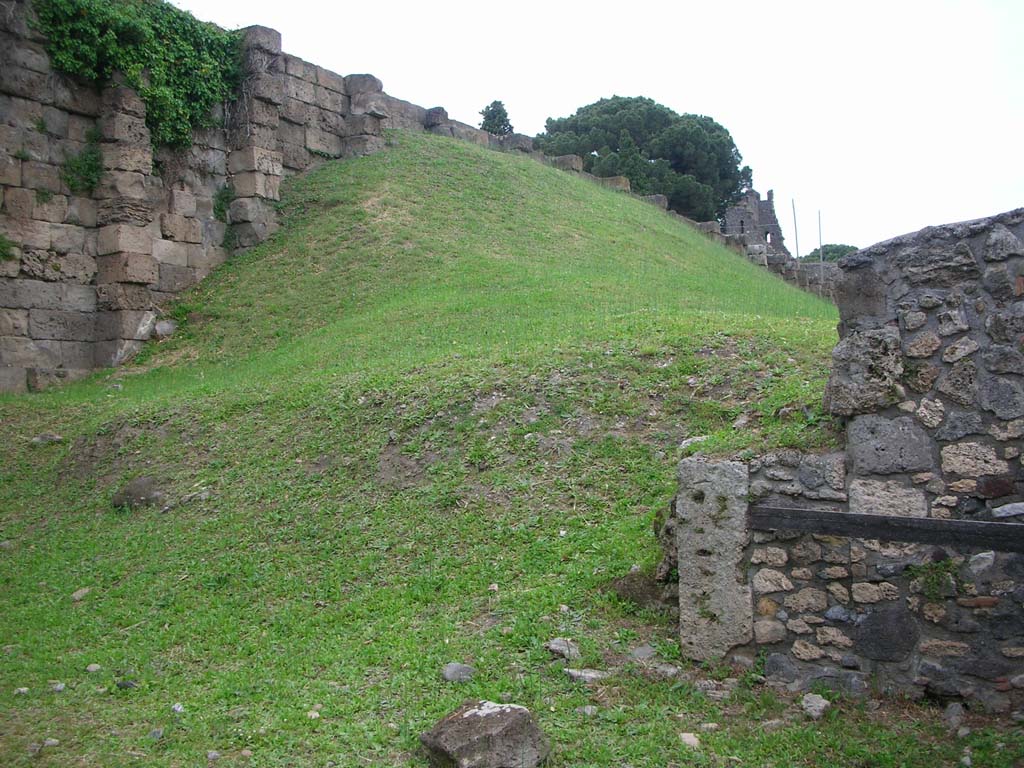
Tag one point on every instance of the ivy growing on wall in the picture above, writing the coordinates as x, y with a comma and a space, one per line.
180, 66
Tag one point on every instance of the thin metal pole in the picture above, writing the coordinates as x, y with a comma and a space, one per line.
821, 255
796, 232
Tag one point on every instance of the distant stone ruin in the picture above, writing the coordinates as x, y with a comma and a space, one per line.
752, 226
898, 563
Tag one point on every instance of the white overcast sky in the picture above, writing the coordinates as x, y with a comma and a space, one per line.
886, 116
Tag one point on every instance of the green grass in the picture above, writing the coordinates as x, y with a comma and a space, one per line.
435, 416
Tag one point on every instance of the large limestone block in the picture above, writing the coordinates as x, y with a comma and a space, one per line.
261, 38
883, 446
866, 369
60, 325
972, 459
117, 238
715, 602
127, 268
356, 84
886, 497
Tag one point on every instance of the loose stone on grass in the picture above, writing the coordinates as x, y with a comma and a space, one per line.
79, 594
815, 706
454, 672
483, 734
563, 647
586, 676
690, 739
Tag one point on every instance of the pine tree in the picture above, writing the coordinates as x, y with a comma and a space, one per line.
495, 119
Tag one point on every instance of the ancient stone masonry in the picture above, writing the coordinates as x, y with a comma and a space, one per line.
89, 271
753, 228
84, 282
929, 374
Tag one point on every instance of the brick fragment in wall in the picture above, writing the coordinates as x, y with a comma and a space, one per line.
127, 268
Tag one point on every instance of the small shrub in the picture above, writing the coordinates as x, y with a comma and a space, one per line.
82, 172
7, 247
935, 577
222, 201
43, 196
22, 155
40, 125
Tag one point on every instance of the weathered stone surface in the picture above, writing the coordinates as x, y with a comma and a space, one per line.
960, 382
886, 497
127, 268
1006, 325
1001, 244
769, 631
952, 321
923, 345
972, 459
866, 370
930, 412
887, 635
356, 84
1003, 396
1001, 358
806, 651
768, 580
807, 600
482, 734
936, 265
959, 424
878, 445
454, 672
960, 349
711, 533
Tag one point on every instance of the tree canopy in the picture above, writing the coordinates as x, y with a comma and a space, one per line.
832, 251
691, 159
495, 119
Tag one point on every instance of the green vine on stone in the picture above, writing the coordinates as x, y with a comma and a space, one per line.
935, 577
7, 247
180, 66
82, 172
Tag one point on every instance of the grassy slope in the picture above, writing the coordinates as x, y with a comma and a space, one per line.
435, 416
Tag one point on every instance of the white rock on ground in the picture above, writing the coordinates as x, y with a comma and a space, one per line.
815, 706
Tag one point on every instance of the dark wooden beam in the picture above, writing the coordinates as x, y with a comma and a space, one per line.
1002, 537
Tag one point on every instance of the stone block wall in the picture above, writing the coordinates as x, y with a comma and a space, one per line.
929, 376
84, 283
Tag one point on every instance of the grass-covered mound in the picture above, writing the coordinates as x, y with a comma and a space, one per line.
429, 421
